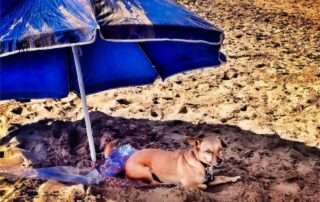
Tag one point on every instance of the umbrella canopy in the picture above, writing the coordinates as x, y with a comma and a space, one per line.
51, 47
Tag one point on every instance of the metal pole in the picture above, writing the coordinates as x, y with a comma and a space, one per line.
84, 104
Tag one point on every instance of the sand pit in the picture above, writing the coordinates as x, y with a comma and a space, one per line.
271, 168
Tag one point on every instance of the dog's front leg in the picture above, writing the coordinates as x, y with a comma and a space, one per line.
223, 179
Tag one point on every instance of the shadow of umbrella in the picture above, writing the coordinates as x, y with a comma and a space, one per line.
270, 167
51, 47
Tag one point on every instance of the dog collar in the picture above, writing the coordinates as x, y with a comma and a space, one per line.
208, 177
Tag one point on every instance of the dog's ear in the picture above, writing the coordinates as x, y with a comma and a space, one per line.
223, 143
193, 141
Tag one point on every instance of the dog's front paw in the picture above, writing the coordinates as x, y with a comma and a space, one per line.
235, 179
202, 186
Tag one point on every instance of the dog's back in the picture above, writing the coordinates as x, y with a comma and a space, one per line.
157, 163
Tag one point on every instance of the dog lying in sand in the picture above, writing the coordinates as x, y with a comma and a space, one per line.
192, 167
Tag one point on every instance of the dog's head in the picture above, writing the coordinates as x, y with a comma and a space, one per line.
208, 149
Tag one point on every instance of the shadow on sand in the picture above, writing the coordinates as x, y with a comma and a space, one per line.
271, 168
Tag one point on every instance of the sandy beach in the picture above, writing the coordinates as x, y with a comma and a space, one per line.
264, 102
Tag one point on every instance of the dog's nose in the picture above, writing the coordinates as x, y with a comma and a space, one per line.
219, 160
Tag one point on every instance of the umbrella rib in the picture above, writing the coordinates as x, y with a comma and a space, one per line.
84, 103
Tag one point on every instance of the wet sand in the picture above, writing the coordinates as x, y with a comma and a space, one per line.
269, 89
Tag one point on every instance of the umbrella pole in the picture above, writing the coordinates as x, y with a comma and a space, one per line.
84, 103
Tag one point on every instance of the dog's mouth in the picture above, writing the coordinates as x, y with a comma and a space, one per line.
213, 165
218, 165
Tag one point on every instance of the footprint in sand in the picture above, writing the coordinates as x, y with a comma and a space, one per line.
286, 187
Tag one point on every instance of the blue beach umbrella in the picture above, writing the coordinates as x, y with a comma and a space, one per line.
51, 47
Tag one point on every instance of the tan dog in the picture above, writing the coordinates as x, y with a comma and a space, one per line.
191, 167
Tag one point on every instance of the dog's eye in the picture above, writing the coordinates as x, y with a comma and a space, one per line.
208, 151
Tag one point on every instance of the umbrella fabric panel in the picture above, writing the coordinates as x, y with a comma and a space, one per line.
7, 6
173, 57
169, 39
41, 24
34, 75
152, 19
107, 65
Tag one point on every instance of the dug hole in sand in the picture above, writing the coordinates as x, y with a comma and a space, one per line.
268, 89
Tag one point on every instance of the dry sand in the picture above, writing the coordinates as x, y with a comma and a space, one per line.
269, 88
